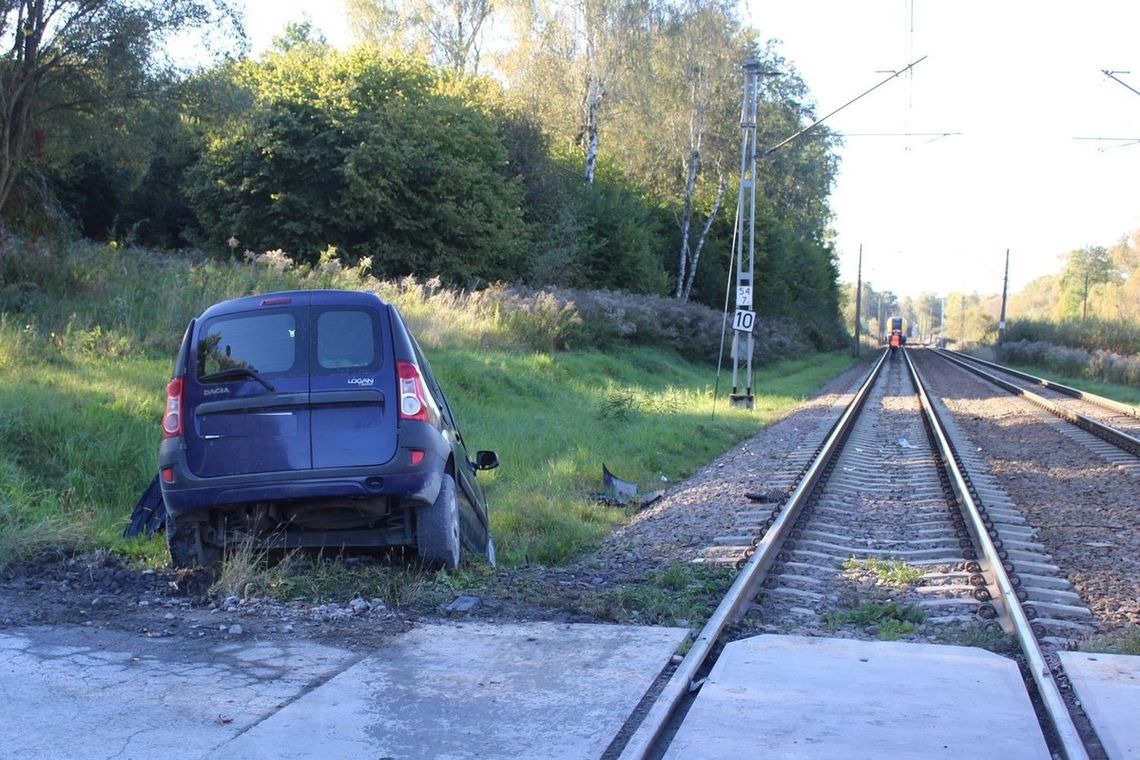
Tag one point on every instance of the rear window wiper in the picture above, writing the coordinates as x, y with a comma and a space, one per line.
233, 373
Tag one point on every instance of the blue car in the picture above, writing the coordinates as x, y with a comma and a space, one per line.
313, 419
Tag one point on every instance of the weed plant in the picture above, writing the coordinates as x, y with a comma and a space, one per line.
1123, 641
885, 571
679, 595
890, 620
88, 335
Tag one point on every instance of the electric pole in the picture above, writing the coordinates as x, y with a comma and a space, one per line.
744, 319
858, 299
1001, 318
962, 323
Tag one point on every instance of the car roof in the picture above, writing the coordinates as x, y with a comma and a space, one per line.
295, 298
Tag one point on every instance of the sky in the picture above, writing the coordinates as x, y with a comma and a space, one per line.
1018, 80
1015, 81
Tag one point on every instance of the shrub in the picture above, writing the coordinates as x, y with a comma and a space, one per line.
1100, 365
1089, 334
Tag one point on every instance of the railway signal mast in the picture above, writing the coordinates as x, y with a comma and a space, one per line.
744, 318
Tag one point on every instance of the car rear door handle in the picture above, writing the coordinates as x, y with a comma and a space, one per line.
268, 401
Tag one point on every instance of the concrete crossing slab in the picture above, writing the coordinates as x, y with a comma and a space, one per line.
1108, 686
72, 692
800, 697
531, 691
472, 690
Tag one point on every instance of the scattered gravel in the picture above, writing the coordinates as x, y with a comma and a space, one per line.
1086, 511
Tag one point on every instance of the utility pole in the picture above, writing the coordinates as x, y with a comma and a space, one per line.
879, 324
1001, 318
744, 319
858, 300
962, 328
942, 323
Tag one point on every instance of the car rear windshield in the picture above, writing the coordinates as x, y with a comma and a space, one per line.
264, 343
346, 340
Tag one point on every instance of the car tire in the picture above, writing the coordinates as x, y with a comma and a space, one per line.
188, 547
437, 529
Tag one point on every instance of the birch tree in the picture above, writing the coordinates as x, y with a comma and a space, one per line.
701, 54
588, 48
450, 33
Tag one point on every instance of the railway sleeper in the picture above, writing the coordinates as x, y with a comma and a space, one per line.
943, 553
814, 535
742, 541
1015, 546
1016, 531
1027, 557
1043, 581
1062, 611
1055, 596
809, 568
797, 578
798, 593
955, 588
1061, 624
1034, 564
960, 601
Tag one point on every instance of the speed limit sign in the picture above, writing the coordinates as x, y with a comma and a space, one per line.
743, 320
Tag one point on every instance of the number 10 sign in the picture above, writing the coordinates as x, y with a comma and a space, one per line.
743, 320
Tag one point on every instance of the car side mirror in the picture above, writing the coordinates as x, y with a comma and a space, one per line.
486, 460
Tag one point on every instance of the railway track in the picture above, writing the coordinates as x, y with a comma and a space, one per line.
890, 532
1112, 422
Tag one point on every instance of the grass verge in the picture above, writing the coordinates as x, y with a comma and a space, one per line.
79, 434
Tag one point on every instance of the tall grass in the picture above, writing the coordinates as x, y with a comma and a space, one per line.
87, 338
140, 299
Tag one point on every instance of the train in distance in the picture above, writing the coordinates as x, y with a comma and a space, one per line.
898, 329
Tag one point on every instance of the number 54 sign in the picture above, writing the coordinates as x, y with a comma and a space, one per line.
743, 320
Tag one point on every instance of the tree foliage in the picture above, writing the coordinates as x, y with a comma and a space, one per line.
449, 32
604, 153
1084, 269
380, 157
68, 58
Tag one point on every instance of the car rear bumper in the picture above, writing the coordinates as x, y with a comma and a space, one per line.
184, 493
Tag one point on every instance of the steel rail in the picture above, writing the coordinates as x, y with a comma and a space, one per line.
1116, 437
651, 728
1069, 738
1108, 403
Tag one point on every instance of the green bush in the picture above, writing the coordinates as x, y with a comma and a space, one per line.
375, 156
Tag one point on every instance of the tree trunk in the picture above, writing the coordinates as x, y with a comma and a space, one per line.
595, 91
687, 222
721, 184
18, 83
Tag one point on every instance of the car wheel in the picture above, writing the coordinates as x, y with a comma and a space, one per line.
437, 528
188, 547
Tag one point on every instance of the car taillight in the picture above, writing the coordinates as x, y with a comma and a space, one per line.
414, 402
172, 419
